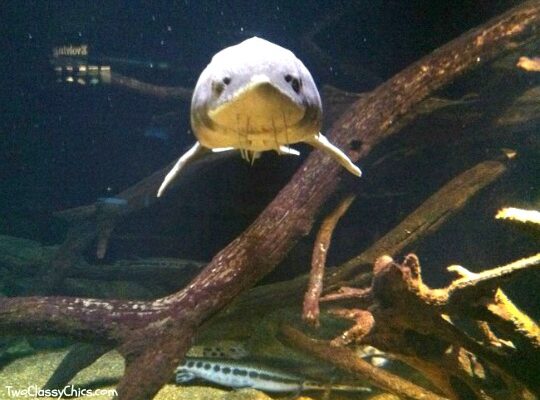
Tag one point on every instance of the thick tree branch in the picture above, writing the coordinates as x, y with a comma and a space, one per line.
451, 198
162, 92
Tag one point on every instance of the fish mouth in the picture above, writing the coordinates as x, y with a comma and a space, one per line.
257, 108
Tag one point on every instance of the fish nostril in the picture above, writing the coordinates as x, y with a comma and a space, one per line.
296, 84
217, 87
226, 80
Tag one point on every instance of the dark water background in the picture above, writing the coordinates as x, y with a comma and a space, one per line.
67, 145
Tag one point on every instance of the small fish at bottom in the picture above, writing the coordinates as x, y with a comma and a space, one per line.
243, 374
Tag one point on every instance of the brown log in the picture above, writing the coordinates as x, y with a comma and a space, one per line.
160, 92
350, 362
429, 216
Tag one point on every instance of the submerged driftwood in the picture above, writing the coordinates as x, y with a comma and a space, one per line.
420, 326
153, 336
436, 210
23, 255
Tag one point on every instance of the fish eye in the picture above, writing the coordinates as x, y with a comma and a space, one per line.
226, 80
296, 84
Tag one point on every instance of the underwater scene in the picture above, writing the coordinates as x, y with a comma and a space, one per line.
254, 200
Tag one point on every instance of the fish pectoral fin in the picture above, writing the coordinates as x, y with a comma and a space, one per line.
184, 376
189, 156
319, 141
288, 150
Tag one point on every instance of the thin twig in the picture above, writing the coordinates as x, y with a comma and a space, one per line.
520, 215
347, 293
318, 262
473, 284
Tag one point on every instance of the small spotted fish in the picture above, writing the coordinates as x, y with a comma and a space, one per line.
234, 350
220, 349
245, 374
